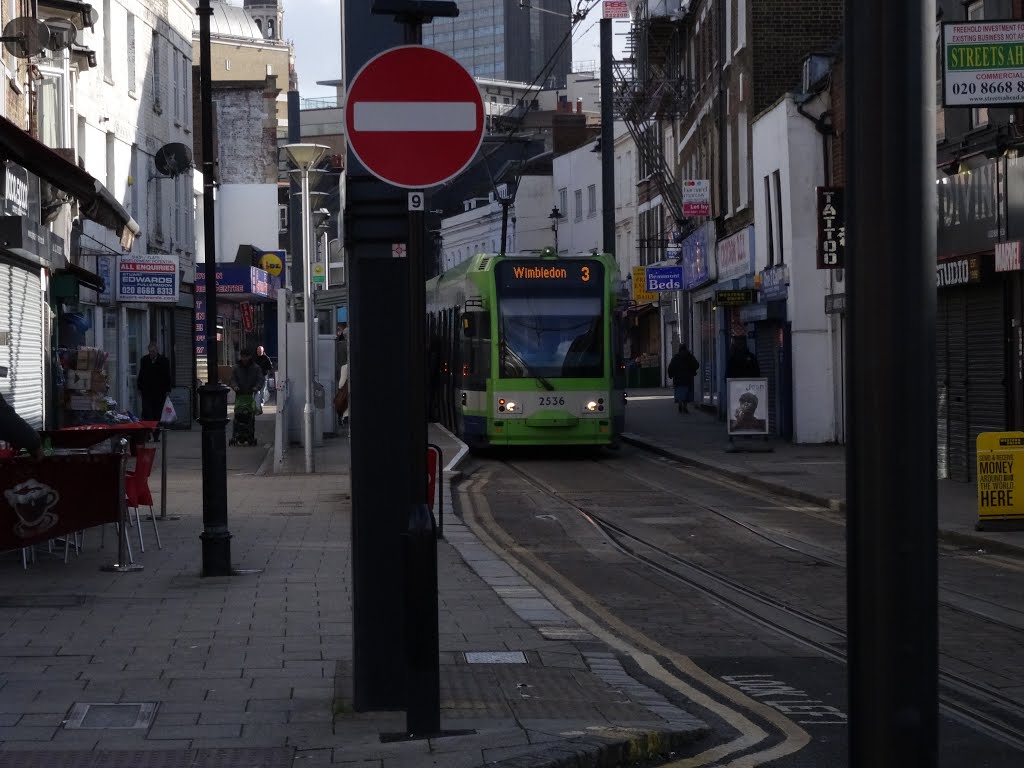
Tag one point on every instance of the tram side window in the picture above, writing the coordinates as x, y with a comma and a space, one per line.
476, 349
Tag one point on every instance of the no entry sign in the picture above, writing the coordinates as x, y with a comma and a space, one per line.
414, 117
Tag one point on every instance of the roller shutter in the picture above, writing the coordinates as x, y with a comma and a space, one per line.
767, 361
954, 303
942, 385
21, 340
986, 366
184, 348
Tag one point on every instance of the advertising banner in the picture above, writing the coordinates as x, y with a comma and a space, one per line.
1008, 256
150, 279
57, 495
735, 255
664, 278
614, 9
1000, 477
697, 258
640, 293
747, 406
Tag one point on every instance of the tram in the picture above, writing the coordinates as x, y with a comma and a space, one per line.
525, 350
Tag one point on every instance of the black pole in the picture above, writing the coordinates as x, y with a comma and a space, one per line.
422, 643
607, 140
505, 202
213, 396
891, 452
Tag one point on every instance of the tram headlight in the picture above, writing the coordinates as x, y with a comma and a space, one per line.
512, 407
592, 406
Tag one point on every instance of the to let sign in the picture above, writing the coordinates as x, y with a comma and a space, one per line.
696, 197
615, 9
831, 228
414, 117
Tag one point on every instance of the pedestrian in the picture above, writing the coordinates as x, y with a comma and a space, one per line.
267, 367
682, 368
742, 364
18, 432
154, 383
340, 345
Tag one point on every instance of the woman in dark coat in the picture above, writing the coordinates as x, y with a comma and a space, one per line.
682, 368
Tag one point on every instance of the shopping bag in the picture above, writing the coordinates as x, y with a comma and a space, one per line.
168, 415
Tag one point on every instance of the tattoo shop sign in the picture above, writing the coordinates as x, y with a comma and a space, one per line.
831, 216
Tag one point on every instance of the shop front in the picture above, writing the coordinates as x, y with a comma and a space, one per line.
734, 290
642, 334
769, 320
699, 271
978, 335
241, 289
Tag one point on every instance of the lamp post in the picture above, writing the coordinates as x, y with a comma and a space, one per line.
305, 157
555, 216
213, 396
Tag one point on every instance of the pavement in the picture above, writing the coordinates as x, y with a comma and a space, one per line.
163, 668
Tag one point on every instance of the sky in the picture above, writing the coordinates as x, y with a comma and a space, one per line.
315, 28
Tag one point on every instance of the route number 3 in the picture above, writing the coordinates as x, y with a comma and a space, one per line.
585, 274
416, 201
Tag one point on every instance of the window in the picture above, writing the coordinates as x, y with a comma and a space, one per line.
730, 164
50, 105
186, 91
741, 25
157, 74
175, 87
728, 32
282, 218
111, 160
742, 159
940, 113
770, 239
134, 171
157, 212
179, 210
777, 181
979, 115
130, 35
592, 200
108, 64
578, 197
563, 201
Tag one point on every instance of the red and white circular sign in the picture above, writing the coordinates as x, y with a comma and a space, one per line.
414, 117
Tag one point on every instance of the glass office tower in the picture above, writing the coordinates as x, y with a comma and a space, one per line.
500, 40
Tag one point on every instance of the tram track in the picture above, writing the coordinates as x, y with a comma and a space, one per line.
980, 706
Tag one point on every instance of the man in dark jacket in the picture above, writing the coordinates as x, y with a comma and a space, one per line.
267, 367
18, 432
154, 383
246, 378
682, 368
741, 364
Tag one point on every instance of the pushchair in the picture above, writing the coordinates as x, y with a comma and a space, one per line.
243, 426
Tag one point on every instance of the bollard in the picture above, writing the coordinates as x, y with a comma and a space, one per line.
422, 665
163, 475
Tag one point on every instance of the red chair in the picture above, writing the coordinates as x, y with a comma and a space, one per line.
136, 488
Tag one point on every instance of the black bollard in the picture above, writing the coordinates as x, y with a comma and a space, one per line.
422, 665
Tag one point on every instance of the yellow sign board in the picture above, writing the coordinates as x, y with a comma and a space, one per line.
1000, 477
272, 263
640, 293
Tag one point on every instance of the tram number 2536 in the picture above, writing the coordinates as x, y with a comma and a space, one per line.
550, 400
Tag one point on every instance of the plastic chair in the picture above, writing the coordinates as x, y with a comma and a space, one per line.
136, 488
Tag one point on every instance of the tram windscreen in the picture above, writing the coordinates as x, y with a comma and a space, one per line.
550, 319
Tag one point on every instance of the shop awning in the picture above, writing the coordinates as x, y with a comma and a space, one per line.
96, 202
83, 276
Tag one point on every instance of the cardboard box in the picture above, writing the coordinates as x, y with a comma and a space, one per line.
80, 381
85, 359
82, 403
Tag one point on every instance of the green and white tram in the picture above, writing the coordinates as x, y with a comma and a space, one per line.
525, 350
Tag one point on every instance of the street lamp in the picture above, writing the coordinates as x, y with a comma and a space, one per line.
305, 157
555, 216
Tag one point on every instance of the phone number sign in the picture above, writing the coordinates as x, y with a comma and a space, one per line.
982, 63
147, 278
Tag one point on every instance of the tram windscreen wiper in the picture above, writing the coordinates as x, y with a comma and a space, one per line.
547, 384
510, 355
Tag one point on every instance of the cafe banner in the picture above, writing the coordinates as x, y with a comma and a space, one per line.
57, 495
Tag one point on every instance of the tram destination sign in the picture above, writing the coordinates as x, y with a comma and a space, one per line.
982, 63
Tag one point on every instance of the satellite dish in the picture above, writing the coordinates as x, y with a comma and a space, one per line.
173, 159
63, 34
24, 37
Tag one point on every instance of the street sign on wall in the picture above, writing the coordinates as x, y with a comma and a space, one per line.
982, 63
414, 117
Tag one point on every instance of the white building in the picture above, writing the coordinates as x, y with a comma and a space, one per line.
788, 162
576, 176
477, 229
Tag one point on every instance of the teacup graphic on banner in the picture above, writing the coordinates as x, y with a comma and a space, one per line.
31, 502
